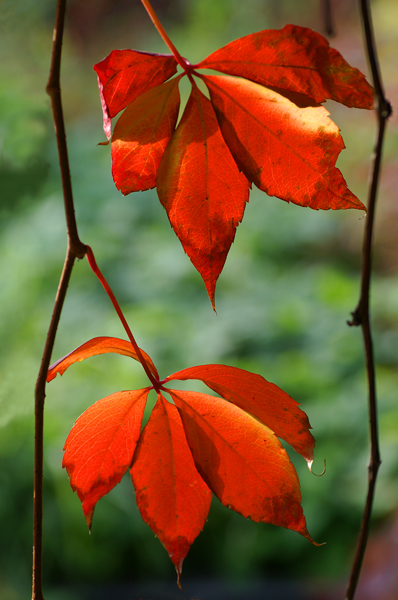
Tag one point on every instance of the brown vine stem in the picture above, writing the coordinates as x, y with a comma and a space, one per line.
360, 316
76, 249
328, 18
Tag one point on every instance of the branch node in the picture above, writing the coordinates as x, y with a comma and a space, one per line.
356, 320
79, 249
52, 88
385, 109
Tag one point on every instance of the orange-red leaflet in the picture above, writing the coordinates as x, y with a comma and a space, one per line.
195, 445
241, 460
294, 59
259, 397
141, 136
125, 74
94, 347
264, 126
294, 157
197, 171
171, 495
100, 446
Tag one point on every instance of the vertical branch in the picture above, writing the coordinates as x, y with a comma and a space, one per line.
76, 249
361, 316
53, 89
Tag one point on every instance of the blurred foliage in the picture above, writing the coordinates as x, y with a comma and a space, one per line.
290, 282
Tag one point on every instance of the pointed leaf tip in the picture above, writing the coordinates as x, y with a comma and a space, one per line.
179, 570
89, 518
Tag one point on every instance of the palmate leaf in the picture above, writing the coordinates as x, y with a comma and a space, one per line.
191, 446
264, 125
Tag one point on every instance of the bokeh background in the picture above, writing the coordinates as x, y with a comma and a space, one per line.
289, 284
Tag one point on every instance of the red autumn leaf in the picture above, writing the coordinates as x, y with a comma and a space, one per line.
241, 460
259, 397
101, 444
294, 157
171, 495
141, 136
126, 74
267, 129
227, 444
94, 347
202, 190
295, 59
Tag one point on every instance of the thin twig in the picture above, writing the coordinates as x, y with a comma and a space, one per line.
361, 314
328, 18
76, 249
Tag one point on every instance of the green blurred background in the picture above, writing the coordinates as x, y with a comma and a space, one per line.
289, 284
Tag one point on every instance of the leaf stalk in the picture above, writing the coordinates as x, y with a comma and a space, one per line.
111, 295
183, 62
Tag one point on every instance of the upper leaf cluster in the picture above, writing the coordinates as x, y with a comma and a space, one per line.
262, 124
